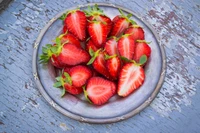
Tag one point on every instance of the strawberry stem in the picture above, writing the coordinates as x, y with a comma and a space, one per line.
95, 54
109, 57
141, 41
86, 94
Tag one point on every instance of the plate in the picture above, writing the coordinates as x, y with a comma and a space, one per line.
117, 109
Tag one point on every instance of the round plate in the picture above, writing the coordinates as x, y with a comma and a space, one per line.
117, 108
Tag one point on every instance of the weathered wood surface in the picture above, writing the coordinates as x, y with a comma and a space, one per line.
175, 109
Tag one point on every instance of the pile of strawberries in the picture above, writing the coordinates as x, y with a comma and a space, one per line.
98, 56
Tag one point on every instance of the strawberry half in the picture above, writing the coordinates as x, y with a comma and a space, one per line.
79, 75
111, 46
76, 23
126, 46
69, 38
141, 48
65, 28
98, 32
131, 77
99, 90
120, 24
72, 55
136, 32
99, 63
113, 64
96, 14
90, 45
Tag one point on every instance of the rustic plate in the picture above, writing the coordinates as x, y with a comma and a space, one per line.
117, 108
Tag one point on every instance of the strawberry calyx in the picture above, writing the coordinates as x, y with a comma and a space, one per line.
86, 94
142, 61
142, 41
93, 55
127, 17
107, 57
64, 15
94, 11
113, 37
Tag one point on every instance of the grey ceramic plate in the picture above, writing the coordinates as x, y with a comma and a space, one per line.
117, 108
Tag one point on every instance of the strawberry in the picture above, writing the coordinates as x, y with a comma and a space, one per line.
79, 75
136, 32
99, 90
141, 48
120, 24
65, 28
69, 38
98, 32
55, 62
91, 45
99, 63
96, 14
76, 23
72, 55
65, 82
131, 77
111, 46
126, 46
113, 65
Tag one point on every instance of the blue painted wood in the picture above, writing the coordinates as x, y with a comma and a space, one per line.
176, 108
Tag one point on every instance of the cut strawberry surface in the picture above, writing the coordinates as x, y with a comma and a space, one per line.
76, 23
69, 38
72, 55
131, 77
72, 89
100, 90
126, 46
111, 46
79, 75
136, 32
90, 45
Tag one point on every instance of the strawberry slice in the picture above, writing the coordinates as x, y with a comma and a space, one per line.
76, 23
131, 77
111, 46
98, 32
72, 55
79, 75
90, 45
141, 48
126, 46
136, 32
69, 38
99, 90
113, 65
120, 24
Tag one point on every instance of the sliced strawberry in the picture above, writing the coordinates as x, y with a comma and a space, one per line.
141, 48
136, 32
79, 75
126, 46
65, 28
55, 62
72, 89
111, 46
76, 23
131, 77
113, 64
120, 24
99, 90
91, 45
98, 32
69, 38
96, 14
72, 55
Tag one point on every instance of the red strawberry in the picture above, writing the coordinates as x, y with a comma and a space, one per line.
72, 55
99, 90
113, 65
131, 77
55, 62
65, 28
96, 14
98, 32
91, 45
120, 24
76, 23
73, 90
136, 32
111, 46
79, 75
99, 63
69, 38
141, 48
126, 46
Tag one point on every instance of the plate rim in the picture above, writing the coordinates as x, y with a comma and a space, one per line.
97, 120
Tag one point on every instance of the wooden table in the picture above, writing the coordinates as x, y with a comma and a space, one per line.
176, 108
